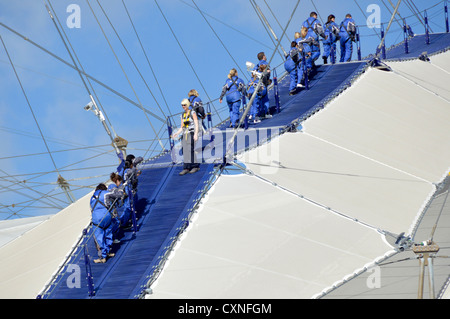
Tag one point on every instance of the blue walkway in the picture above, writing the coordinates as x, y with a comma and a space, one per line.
417, 45
167, 199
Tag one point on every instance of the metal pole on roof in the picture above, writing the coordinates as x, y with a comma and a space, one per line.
427, 31
446, 16
405, 37
268, 26
383, 48
388, 27
231, 143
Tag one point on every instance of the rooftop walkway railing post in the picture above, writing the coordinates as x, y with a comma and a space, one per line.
405, 36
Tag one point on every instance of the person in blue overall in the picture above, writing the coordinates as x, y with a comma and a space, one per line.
347, 32
264, 102
234, 89
117, 209
305, 65
262, 60
291, 66
254, 108
331, 37
101, 219
315, 30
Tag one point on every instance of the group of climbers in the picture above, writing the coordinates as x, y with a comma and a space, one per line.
237, 93
305, 49
300, 62
113, 208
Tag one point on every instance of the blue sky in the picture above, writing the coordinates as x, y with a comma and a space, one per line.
77, 141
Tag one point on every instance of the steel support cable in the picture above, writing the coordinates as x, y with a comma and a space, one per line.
364, 14
229, 26
317, 11
311, 201
62, 169
185, 55
61, 29
61, 151
276, 20
164, 126
247, 110
439, 216
146, 56
415, 13
22, 184
387, 29
407, 17
45, 173
397, 11
131, 58
31, 198
220, 40
48, 194
264, 22
29, 105
390, 12
123, 70
404, 75
82, 72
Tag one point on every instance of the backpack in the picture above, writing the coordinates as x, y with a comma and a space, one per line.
200, 110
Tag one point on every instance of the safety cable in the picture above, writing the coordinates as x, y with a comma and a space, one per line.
364, 14
387, 29
218, 38
32, 189
229, 148
412, 9
229, 26
309, 200
29, 106
73, 52
82, 72
131, 58
146, 56
123, 71
185, 55
274, 16
266, 25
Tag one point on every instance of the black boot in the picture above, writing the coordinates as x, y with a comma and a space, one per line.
325, 60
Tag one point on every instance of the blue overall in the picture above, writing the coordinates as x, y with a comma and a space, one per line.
292, 68
101, 220
310, 23
250, 90
261, 62
264, 103
233, 88
347, 34
305, 64
128, 203
330, 41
